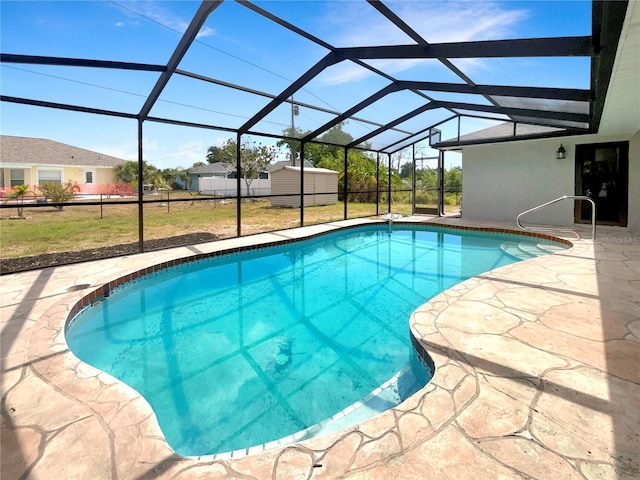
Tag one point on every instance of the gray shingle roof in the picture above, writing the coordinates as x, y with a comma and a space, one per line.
502, 131
40, 151
284, 163
212, 168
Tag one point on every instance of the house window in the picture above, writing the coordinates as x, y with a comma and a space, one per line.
89, 177
17, 176
49, 176
263, 175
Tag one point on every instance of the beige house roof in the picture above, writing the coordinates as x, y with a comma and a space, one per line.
40, 151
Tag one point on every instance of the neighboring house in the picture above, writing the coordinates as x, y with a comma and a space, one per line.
220, 179
320, 186
35, 161
210, 170
503, 178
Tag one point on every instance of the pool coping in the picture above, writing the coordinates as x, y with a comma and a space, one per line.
119, 411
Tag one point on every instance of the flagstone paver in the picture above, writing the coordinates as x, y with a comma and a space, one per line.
537, 376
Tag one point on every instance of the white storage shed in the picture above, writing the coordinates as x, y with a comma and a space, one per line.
286, 181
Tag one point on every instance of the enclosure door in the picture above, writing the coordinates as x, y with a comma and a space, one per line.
427, 182
602, 173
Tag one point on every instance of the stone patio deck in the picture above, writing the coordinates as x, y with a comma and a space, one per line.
538, 376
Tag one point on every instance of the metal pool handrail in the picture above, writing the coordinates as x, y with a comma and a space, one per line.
575, 197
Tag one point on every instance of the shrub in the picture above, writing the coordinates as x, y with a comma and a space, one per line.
57, 193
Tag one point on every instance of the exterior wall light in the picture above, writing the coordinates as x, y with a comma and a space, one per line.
561, 153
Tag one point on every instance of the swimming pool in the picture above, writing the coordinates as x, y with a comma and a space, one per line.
248, 348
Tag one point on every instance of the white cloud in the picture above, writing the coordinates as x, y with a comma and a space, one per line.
179, 155
463, 21
157, 12
206, 32
341, 73
436, 22
120, 24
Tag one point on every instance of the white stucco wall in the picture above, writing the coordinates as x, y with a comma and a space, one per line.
501, 180
634, 183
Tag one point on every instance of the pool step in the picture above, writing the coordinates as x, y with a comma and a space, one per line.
524, 250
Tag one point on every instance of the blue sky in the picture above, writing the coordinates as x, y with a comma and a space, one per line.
236, 45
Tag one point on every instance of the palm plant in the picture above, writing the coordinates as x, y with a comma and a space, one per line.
19, 191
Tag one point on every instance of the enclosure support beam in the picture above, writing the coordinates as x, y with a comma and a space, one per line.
327, 61
569, 94
78, 62
520, 47
65, 106
607, 20
377, 183
301, 183
456, 144
238, 186
205, 9
440, 183
345, 188
397, 121
389, 183
398, 22
416, 137
140, 191
520, 112
413, 179
352, 111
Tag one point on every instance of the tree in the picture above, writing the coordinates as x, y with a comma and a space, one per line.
254, 158
225, 154
183, 175
404, 161
170, 177
127, 172
319, 152
406, 170
361, 175
337, 138
292, 145
362, 184
453, 178
427, 177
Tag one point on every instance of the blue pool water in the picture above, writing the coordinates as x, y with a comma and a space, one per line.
247, 348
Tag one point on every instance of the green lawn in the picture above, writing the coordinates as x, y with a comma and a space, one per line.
48, 230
